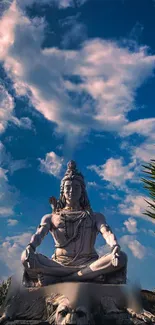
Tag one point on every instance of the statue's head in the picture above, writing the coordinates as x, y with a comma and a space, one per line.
68, 315
73, 188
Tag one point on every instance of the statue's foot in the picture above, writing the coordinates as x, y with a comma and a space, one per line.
118, 277
100, 279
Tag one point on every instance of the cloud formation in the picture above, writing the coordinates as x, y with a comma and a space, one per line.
137, 249
6, 108
7, 113
61, 4
131, 225
10, 252
113, 171
12, 222
135, 205
107, 75
8, 195
52, 164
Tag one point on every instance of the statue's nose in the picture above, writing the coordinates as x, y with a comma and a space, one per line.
71, 320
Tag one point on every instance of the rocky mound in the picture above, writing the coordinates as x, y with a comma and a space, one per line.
40, 306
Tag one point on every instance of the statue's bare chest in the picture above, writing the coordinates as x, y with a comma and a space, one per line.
71, 225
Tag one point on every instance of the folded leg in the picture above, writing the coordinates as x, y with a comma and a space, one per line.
35, 264
102, 266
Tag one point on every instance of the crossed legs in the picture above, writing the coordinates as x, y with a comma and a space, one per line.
35, 264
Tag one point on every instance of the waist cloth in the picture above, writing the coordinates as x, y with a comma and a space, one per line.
81, 260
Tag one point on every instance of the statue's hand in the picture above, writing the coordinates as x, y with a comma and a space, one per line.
115, 255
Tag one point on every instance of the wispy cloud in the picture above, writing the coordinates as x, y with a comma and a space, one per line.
12, 222
10, 252
8, 195
108, 76
135, 205
61, 4
6, 108
144, 152
113, 171
137, 249
52, 164
74, 31
8, 163
7, 113
93, 184
131, 225
145, 127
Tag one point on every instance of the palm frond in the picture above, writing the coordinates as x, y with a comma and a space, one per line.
149, 185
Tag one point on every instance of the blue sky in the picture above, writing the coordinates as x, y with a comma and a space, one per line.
77, 82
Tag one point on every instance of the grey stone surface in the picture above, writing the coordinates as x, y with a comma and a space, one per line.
78, 304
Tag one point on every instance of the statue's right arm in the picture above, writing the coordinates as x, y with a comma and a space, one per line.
42, 231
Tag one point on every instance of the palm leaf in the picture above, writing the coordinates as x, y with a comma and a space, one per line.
149, 185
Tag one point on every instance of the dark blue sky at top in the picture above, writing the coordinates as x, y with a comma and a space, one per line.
116, 20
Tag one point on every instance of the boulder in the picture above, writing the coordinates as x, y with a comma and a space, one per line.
75, 303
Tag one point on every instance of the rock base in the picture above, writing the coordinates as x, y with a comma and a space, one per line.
87, 303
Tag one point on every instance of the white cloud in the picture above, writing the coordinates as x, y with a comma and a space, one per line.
108, 75
131, 225
61, 4
135, 205
74, 32
52, 164
103, 250
22, 240
10, 252
6, 211
92, 184
145, 127
151, 232
23, 122
6, 108
9, 163
8, 193
12, 222
7, 112
16, 165
113, 171
69, 3
144, 152
137, 249
7, 27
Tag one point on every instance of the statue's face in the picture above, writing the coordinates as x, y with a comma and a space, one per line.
72, 191
65, 315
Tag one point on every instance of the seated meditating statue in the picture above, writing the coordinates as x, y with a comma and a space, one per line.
74, 227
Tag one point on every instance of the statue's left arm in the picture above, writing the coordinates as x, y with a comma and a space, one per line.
105, 230
109, 237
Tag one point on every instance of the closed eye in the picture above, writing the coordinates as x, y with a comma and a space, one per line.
80, 313
63, 312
